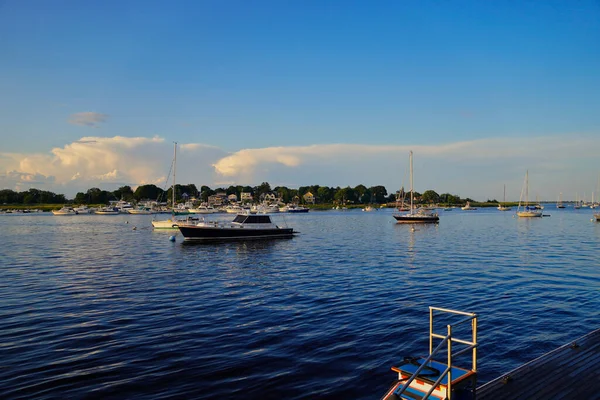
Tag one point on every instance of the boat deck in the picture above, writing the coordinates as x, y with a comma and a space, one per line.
569, 372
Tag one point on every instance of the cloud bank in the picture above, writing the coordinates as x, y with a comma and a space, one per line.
476, 169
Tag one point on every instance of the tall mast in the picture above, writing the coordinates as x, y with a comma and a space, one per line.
174, 171
527, 188
411, 182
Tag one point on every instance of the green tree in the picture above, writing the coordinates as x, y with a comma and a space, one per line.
325, 194
124, 193
430, 196
149, 192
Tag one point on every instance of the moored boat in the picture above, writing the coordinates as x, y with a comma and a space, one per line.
243, 227
107, 211
65, 211
527, 211
468, 207
420, 216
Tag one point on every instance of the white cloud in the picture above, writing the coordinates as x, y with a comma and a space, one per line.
88, 118
477, 169
107, 163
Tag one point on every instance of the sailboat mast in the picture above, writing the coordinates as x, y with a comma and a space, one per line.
527, 188
174, 171
411, 182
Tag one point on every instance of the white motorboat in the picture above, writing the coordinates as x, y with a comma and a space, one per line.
65, 211
107, 211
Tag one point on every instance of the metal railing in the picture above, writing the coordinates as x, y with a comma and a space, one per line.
448, 339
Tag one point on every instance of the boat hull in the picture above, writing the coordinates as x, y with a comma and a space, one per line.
529, 214
416, 219
207, 233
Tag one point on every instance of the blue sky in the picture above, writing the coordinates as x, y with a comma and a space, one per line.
241, 76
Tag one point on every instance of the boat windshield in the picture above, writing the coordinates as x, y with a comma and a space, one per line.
252, 219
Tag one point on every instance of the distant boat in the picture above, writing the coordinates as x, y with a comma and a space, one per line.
559, 203
297, 209
107, 211
369, 208
416, 217
500, 206
170, 223
527, 211
468, 207
140, 211
400, 200
65, 211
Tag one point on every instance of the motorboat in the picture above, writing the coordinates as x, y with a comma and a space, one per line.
107, 211
174, 223
243, 227
419, 216
83, 209
65, 211
297, 209
140, 211
202, 210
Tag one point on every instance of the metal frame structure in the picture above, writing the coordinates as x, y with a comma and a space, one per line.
447, 340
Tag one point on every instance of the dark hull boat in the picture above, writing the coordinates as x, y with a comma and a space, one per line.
243, 227
418, 218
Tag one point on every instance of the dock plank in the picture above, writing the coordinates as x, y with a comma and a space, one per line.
569, 372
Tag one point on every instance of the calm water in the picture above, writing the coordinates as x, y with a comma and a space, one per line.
91, 308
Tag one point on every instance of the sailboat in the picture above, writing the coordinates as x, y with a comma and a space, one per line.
420, 216
400, 199
500, 206
528, 211
170, 223
577, 204
559, 203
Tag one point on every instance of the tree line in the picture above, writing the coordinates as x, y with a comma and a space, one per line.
359, 194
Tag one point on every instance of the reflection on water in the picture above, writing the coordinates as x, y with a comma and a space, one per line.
92, 307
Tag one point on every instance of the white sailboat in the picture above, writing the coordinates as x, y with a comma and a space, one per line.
420, 216
527, 211
171, 223
500, 206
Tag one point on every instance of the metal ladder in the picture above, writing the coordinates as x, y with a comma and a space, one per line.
447, 340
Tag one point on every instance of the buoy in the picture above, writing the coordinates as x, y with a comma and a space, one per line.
172, 238
126, 222
134, 228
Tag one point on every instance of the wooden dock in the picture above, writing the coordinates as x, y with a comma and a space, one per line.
569, 372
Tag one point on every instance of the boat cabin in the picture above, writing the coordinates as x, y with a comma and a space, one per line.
252, 219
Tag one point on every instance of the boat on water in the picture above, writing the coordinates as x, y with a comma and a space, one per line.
65, 211
597, 217
527, 211
400, 201
467, 207
502, 207
243, 227
171, 223
369, 209
559, 203
203, 210
297, 209
140, 211
83, 209
107, 211
415, 216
